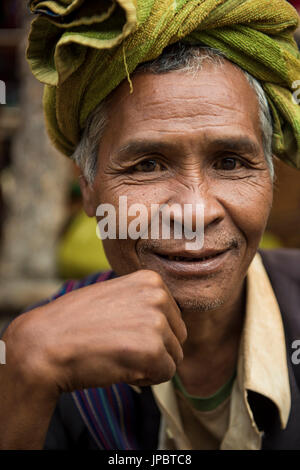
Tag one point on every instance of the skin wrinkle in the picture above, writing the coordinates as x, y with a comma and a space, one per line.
237, 203
190, 119
197, 112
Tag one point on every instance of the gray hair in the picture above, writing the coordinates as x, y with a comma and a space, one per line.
178, 56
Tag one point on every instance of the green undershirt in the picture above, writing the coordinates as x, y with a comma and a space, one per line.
207, 403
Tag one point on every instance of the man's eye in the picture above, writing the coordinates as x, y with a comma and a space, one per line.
148, 166
228, 164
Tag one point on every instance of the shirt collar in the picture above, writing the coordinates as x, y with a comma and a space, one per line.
262, 359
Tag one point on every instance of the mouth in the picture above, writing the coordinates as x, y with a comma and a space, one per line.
188, 259
193, 263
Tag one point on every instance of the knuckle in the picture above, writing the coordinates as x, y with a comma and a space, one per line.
168, 372
159, 297
159, 322
155, 371
152, 278
180, 356
136, 376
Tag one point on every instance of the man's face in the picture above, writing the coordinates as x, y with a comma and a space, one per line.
194, 140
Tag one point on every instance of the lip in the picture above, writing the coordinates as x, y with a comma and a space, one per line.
192, 254
193, 266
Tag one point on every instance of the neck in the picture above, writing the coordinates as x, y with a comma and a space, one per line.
211, 348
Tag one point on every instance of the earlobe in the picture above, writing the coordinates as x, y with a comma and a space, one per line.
87, 196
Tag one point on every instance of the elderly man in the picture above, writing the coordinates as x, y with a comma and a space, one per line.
176, 347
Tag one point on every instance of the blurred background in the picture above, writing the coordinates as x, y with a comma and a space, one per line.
45, 237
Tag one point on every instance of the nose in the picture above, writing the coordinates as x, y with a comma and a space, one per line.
199, 200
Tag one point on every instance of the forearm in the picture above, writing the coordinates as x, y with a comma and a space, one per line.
26, 402
25, 412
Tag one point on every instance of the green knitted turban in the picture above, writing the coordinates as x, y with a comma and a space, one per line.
83, 49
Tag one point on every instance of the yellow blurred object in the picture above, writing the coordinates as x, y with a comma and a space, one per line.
80, 251
270, 241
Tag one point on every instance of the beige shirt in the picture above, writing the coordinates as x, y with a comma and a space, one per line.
204, 429
262, 368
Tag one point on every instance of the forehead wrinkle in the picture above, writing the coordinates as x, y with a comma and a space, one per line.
200, 107
158, 104
198, 115
203, 94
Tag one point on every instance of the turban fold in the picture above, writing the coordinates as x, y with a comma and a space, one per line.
83, 49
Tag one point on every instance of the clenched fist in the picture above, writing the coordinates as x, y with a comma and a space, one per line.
127, 329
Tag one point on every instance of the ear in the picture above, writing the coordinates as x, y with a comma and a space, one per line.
88, 196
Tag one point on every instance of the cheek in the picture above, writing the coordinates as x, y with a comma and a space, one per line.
249, 203
121, 253
126, 198
121, 256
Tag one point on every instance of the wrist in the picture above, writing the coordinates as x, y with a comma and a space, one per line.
27, 361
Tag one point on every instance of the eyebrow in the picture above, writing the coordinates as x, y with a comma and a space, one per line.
244, 144
136, 147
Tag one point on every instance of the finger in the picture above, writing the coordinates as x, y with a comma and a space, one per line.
173, 347
174, 317
164, 370
161, 370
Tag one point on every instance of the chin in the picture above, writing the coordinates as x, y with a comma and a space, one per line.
203, 304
